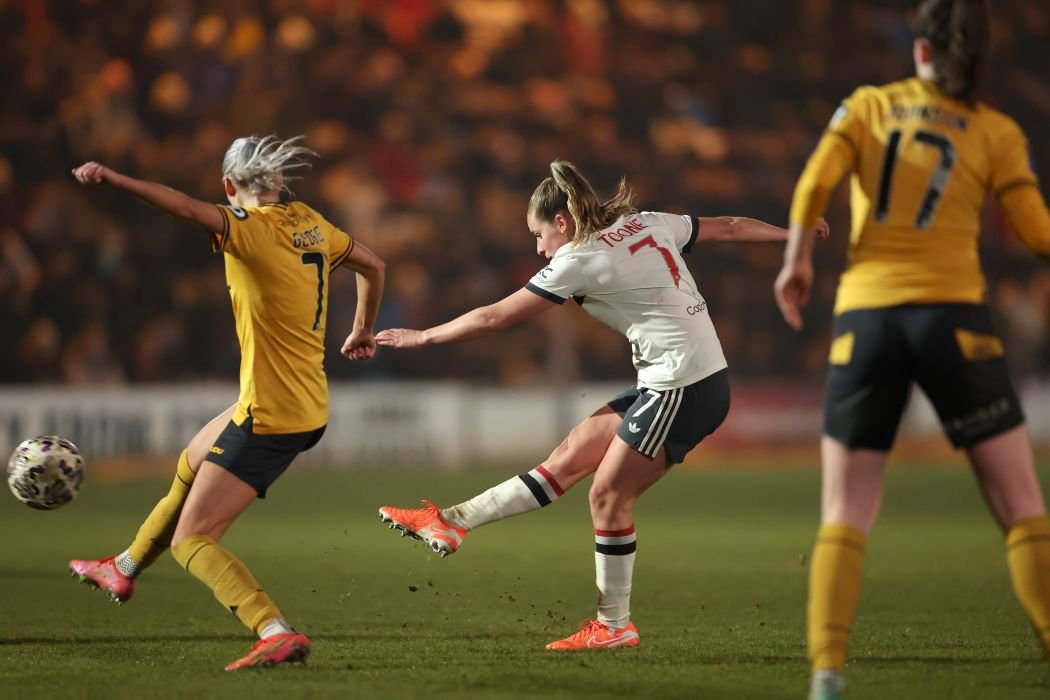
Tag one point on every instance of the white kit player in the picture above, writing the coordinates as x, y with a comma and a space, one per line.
624, 268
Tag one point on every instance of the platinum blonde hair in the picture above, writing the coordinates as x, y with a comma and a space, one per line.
254, 163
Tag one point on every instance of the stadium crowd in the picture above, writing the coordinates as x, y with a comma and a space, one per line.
434, 121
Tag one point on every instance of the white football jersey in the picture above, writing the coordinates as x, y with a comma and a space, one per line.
632, 277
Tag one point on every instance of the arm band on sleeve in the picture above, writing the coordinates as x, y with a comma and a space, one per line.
219, 238
694, 225
539, 291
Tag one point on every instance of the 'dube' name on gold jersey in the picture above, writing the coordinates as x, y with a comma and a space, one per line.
278, 258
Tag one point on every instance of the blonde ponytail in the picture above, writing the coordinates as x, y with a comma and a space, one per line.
568, 191
253, 163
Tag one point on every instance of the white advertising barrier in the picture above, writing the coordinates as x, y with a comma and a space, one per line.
417, 424
389, 424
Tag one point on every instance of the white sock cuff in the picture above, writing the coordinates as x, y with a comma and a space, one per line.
274, 626
126, 565
616, 542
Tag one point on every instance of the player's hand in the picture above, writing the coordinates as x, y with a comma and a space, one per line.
400, 338
359, 345
822, 230
92, 173
792, 290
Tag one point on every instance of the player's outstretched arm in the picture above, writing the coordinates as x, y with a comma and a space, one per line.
480, 322
1016, 188
164, 198
371, 276
1029, 217
728, 229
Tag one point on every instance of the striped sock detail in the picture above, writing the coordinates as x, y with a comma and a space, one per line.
661, 425
542, 471
615, 542
126, 565
542, 484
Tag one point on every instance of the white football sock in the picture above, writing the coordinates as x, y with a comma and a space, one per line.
614, 567
514, 496
274, 626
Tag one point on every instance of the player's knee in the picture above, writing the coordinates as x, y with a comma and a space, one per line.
598, 496
569, 462
178, 537
606, 500
190, 526
562, 451
197, 451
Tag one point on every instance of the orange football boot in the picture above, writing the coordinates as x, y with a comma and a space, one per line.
425, 524
275, 649
104, 574
595, 635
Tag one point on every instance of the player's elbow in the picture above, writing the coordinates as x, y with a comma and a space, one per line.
492, 320
366, 263
198, 212
187, 212
377, 267
718, 229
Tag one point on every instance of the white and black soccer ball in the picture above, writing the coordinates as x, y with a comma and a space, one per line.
45, 472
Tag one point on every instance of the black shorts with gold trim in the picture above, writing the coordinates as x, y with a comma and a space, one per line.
258, 459
950, 350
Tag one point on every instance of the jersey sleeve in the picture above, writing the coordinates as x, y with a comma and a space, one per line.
560, 280
339, 247
851, 120
837, 152
233, 238
1016, 188
684, 228
826, 167
1011, 160
339, 244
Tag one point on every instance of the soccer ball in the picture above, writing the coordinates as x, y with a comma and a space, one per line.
45, 472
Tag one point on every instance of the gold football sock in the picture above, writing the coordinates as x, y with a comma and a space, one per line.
229, 579
154, 535
834, 587
1028, 554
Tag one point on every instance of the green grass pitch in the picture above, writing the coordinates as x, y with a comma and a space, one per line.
719, 595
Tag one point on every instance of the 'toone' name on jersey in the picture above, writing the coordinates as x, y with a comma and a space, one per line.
611, 238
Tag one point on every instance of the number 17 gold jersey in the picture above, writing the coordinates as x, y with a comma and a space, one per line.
922, 164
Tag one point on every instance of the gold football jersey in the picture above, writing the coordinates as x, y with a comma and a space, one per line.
278, 257
922, 164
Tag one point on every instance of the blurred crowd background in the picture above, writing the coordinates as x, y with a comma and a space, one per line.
435, 119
